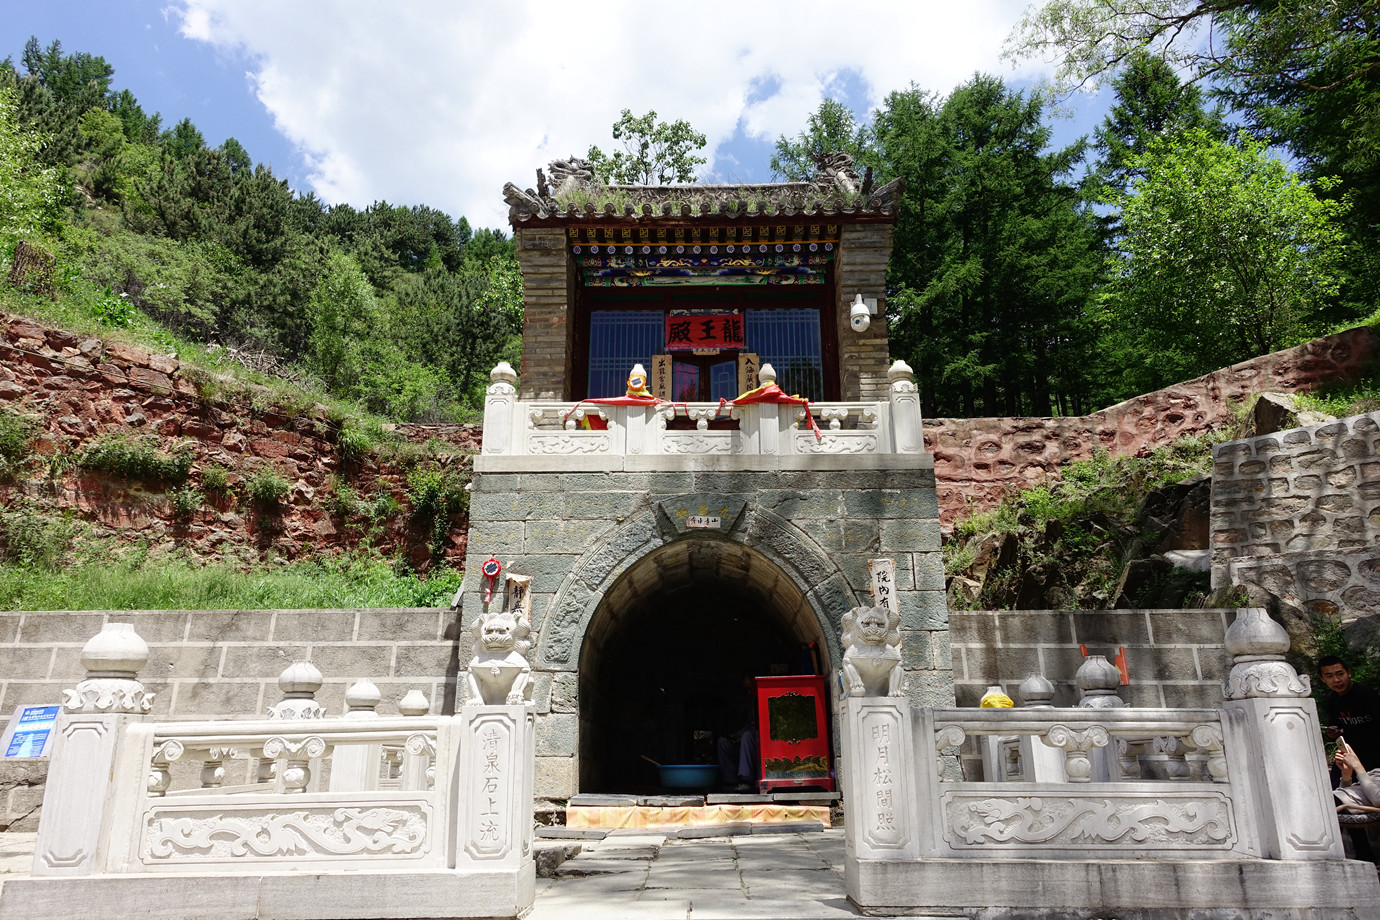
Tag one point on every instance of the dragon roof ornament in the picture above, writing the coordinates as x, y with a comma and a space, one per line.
568, 189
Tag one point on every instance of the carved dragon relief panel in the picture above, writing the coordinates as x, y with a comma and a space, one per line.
568, 443
701, 443
831, 443
1179, 821
218, 834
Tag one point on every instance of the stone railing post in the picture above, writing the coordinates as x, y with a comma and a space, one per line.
500, 410
762, 423
879, 790
417, 755
1097, 680
1040, 762
1292, 789
907, 421
355, 767
300, 770
74, 823
496, 771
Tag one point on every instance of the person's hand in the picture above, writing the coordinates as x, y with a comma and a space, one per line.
1348, 762
1339, 761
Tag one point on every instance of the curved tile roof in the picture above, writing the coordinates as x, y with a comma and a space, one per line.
568, 191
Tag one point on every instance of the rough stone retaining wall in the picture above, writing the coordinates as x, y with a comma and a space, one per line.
1298, 513
81, 387
1175, 657
977, 461
21, 793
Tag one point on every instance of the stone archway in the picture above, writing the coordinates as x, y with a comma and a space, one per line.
667, 647
755, 559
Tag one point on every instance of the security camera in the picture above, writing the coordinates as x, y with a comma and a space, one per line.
858, 315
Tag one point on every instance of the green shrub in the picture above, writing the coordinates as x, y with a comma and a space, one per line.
138, 458
17, 433
1344, 400
114, 309
343, 501
267, 489
355, 443
186, 502
215, 479
31, 539
436, 493
382, 506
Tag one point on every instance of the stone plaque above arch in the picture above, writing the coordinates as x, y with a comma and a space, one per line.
698, 512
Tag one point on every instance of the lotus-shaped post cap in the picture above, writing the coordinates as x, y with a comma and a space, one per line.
115, 651
299, 680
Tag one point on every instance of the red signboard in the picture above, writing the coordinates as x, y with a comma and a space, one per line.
703, 330
793, 731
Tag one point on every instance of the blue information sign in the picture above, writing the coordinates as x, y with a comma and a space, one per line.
31, 731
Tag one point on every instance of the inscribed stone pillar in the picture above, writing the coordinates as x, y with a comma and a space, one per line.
497, 758
879, 791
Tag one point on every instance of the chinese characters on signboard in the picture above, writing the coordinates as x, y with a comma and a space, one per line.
883, 583
30, 732
661, 376
748, 363
489, 816
883, 804
686, 332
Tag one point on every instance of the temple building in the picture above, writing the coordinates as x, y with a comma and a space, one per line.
706, 460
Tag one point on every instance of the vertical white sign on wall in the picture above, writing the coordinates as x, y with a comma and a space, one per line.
883, 583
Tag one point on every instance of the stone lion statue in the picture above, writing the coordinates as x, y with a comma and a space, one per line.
499, 672
872, 653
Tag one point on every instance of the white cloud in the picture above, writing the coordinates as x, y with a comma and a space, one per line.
439, 102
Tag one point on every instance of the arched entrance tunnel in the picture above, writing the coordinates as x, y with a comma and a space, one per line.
666, 652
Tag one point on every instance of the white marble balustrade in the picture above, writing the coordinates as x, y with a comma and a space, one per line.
1102, 807
359, 816
532, 434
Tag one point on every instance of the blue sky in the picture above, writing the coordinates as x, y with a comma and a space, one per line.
440, 103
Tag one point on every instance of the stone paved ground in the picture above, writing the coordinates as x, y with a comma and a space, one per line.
16, 855
656, 877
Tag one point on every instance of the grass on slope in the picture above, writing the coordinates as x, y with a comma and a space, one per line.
177, 585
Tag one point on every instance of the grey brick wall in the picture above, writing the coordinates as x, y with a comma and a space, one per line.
225, 663
1298, 513
1175, 657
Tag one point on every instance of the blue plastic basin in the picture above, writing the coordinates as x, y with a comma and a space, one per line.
689, 775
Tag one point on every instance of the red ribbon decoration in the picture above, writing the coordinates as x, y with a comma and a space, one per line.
770, 393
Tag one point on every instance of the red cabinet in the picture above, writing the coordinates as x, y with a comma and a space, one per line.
793, 730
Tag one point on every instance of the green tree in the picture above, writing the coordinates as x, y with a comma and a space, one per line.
831, 129
1280, 41
1305, 74
1151, 102
344, 313
654, 153
30, 193
54, 92
1226, 255
183, 139
994, 261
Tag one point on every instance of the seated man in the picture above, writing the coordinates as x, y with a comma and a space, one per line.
738, 751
